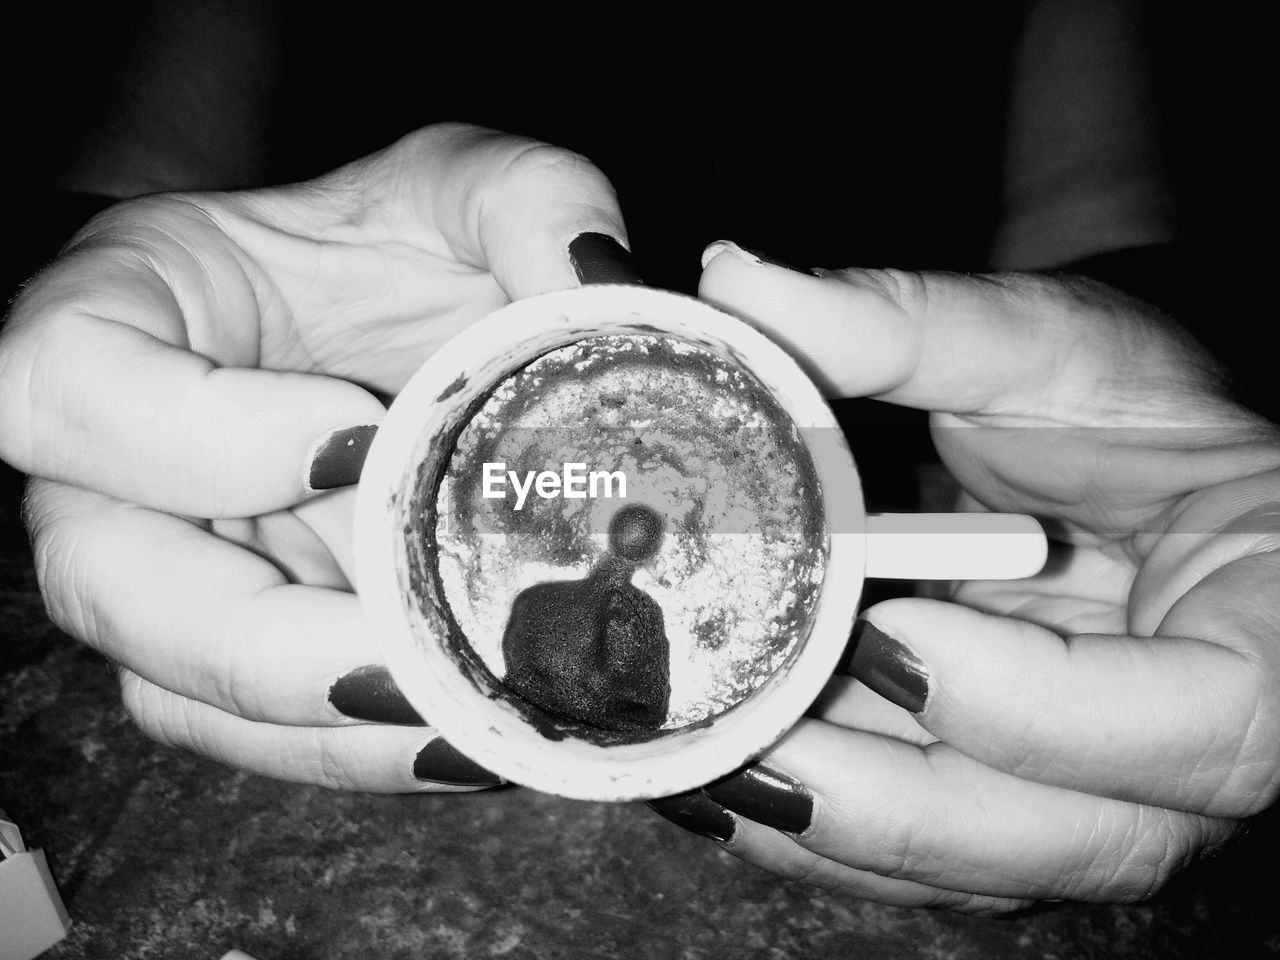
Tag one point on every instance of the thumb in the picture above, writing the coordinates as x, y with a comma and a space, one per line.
536, 216
950, 343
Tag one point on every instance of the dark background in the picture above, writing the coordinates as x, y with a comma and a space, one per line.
870, 141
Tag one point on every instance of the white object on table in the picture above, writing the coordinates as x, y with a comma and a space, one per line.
32, 915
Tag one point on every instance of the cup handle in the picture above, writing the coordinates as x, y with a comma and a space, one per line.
954, 546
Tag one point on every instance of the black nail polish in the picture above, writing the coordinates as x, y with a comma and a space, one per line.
438, 762
599, 258
888, 667
773, 261
339, 457
767, 797
697, 813
369, 693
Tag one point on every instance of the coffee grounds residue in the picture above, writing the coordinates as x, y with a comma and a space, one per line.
704, 444
595, 650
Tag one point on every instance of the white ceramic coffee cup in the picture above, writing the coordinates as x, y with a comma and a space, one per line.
475, 713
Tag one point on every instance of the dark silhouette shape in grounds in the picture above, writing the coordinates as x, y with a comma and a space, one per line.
595, 650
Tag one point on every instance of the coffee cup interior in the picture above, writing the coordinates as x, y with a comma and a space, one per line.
596, 645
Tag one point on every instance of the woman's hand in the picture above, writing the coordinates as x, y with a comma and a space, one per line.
195, 370
1081, 734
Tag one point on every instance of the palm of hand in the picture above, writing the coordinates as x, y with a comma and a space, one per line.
1083, 589
341, 301
260, 295
1150, 542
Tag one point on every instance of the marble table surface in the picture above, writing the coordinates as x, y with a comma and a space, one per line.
160, 853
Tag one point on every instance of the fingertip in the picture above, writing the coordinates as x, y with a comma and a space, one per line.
849, 341
727, 265
337, 457
697, 813
538, 202
370, 693
716, 248
602, 258
533, 259
767, 796
889, 667
440, 765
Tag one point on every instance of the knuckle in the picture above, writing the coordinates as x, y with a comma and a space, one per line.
541, 163
365, 180
546, 173
434, 137
232, 680
897, 855
133, 697
174, 720
1228, 761
51, 520
907, 288
332, 763
43, 358
152, 710
1251, 782
249, 671
514, 162
809, 868
218, 687
20, 359
1134, 861
16, 435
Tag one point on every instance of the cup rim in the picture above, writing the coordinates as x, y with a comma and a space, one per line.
476, 722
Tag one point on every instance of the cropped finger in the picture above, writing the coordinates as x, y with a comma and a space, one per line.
204, 617
101, 388
934, 816
1157, 720
778, 853
951, 343
846, 702
372, 758
512, 206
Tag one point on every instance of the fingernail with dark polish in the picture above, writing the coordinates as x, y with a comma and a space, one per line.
438, 762
599, 258
338, 457
772, 261
888, 667
369, 693
767, 797
697, 813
